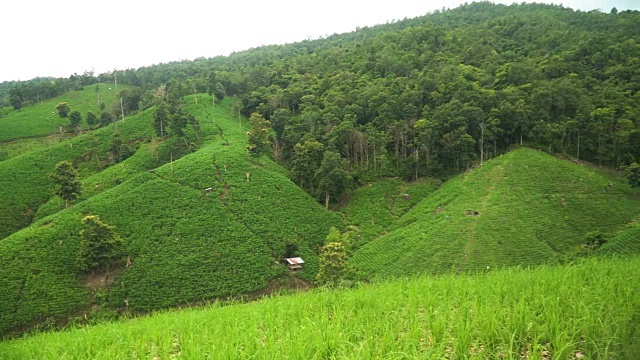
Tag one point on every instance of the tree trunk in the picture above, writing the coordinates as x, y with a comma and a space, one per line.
326, 200
578, 155
416, 158
481, 143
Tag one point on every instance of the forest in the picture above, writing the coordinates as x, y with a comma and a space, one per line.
428, 96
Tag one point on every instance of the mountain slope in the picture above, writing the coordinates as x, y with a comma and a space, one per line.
183, 244
26, 176
531, 208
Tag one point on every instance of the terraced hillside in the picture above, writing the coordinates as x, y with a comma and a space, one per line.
529, 208
375, 207
34, 152
183, 245
42, 119
625, 243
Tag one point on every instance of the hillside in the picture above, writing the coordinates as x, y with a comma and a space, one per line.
395, 106
373, 208
27, 174
587, 310
532, 208
184, 246
41, 119
625, 243
426, 96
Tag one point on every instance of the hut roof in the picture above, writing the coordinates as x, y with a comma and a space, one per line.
295, 261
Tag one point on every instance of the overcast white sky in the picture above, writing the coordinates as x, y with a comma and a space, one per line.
58, 38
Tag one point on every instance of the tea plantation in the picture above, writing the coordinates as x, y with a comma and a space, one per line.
525, 207
375, 207
42, 119
183, 245
25, 177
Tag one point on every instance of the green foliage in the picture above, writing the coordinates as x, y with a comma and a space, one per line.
258, 135
305, 162
595, 239
65, 181
532, 208
632, 173
334, 262
105, 119
74, 119
41, 119
63, 109
99, 245
375, 207
161, 118
584, 310
332, 175
92, 119
624, 243
27, 174
184, 245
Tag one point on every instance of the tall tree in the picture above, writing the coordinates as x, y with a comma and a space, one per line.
65, 182
632, 173
63, 109
306, 161
99, 245
258, 135
92, 119
334, 264
161, 118
332, 176
74, 119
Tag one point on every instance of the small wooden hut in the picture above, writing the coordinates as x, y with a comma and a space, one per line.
294, 263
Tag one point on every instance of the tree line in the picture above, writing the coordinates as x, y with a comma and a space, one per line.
433, 95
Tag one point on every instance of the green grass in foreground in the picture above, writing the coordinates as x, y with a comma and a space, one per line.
591, 308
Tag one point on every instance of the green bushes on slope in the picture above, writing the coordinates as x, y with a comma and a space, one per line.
184, 245
532, 208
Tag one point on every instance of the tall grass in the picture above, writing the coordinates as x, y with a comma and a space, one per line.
590, 309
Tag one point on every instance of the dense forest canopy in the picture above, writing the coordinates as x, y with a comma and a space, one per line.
425, 96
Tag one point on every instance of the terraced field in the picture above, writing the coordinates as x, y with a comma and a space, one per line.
625, 243
531, 208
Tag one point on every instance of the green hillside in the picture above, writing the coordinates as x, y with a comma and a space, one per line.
27, 175
625, 243
588, 310
183, 245
42, 119
532, 208
376, 206
30, 152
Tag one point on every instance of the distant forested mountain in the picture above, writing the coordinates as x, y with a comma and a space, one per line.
433, 94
